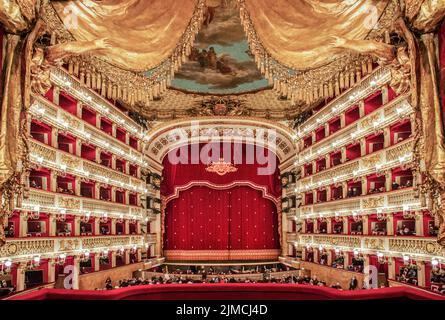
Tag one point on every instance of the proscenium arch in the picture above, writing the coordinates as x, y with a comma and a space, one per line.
171, 135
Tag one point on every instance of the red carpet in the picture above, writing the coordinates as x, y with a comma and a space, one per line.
231, 292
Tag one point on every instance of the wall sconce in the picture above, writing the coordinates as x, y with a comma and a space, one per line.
104, 218
61, 217
86, 217
6, 267
61, 259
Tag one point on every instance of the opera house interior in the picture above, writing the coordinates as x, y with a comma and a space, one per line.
222, 149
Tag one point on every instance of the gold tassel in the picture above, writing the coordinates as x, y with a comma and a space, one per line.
352, 80
337, 87
76, 68
93, 81
114, 93
99, 81
119, 92
325, 91
82, 77
103, 89
71, 67
358, 75
364, 69
342, 80
347, 81
369, 66
109, 89
125, 94
88, 79
331, 89
316, 96
132, 99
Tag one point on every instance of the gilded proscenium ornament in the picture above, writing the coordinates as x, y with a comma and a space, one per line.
17, 17
422, 19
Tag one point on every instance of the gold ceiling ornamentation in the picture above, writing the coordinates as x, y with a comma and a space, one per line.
219, 106
326, 80
127, 84
301, 85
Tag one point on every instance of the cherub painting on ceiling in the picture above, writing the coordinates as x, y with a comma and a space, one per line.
220, 61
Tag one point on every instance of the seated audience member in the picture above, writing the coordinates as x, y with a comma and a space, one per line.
353, 284
108, 284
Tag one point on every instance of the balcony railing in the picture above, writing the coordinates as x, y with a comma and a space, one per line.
393, 201
68, 83
16, 249
352, 96
50, 202
385, 244
383, 117
388, 158
42, 154
63, 120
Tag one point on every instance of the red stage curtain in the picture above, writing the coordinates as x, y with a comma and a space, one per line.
209, 224
176, 175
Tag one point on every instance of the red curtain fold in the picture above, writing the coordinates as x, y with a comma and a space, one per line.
176, 175
234, 219
221, 217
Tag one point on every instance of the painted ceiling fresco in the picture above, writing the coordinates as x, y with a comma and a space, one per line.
220, 62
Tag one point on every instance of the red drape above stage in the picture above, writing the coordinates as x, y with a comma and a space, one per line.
221, 217
195, 159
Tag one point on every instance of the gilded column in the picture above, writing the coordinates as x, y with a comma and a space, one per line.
52, 225
391, 268
113, 259
56, 95
76, 272
390, 224
23, 225
127, 227
20, 285
361, 108
96, 261
51, 270
76, 226
421, 274
365, 225
113, 226
345, 225
97, 226
420, 232
127, 256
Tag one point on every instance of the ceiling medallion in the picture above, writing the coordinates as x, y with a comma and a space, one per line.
221, 167
220, 106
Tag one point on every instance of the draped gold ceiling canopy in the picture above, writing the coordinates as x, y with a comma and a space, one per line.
299, 33
142, 34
